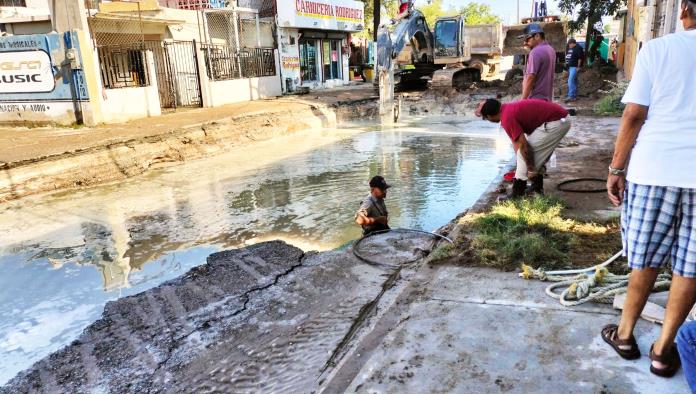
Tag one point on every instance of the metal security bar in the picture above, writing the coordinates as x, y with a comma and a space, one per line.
236, 43
258, 62
177, 73
221, 62
123, 66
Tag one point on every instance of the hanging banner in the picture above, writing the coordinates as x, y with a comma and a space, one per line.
344, 15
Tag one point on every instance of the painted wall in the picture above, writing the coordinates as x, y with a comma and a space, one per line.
67, 15
247, 89
289, 48
124, 104
217, 93
38, 27
647, 20
38, 81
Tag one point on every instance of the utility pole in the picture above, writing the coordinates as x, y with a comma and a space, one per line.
376, 14
518, 12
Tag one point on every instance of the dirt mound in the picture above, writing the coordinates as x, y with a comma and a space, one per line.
591, 82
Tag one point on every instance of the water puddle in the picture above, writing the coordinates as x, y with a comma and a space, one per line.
66, 254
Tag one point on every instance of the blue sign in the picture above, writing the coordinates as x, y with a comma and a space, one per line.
37, 68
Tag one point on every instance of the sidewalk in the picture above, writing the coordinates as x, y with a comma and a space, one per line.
481, 330
19, 144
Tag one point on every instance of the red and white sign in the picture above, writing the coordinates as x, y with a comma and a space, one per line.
343, 15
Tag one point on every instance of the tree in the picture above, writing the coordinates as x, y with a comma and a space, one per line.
589, 12
478, 14
434, 10
388, 8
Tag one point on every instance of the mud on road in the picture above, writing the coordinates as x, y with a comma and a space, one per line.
268, 317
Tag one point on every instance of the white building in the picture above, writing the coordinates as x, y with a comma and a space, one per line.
313, 40
24, 17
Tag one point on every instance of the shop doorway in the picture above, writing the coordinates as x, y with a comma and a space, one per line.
332, 59
309, 72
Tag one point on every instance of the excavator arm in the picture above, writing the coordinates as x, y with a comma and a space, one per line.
411, 39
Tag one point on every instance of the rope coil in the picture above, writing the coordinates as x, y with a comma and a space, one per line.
595, 283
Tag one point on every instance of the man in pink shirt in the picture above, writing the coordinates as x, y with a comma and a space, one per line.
541, 65
535, 127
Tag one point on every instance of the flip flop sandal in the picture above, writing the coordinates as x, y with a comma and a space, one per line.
611, 336
671, 359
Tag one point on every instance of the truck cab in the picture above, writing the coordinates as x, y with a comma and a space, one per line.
451, 45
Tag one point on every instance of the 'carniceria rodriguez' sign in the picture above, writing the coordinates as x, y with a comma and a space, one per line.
25, 72
345, 15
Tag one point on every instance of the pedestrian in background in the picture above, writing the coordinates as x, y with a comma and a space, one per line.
574, 59
541, 65
658, 188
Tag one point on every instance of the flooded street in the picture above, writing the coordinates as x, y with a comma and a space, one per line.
65, 255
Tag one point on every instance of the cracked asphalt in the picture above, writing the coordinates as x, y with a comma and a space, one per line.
268, 318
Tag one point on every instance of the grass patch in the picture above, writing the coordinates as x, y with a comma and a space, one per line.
442, 252
611, 103
534, 232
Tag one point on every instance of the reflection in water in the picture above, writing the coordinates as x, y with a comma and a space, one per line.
139, 233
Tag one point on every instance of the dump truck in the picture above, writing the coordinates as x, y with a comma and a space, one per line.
455, 55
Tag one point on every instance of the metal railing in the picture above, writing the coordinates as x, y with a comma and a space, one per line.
224, 63
123, 66
257, 62
221, 62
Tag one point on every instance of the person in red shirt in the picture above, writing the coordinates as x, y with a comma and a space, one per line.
535, 127
403, 7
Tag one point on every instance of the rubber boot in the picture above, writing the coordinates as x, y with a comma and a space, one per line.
519, 186
518, 190
537, 184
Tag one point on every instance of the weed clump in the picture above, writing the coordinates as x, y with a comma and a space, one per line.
611, 103
531, 231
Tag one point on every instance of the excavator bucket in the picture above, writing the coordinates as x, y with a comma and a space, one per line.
556, 34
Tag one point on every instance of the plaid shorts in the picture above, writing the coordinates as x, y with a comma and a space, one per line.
657, 224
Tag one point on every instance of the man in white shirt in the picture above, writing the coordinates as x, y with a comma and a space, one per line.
658, 188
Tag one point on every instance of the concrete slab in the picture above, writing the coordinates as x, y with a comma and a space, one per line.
493, 287
479, 330
441, 348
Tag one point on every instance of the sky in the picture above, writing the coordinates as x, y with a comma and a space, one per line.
506, 9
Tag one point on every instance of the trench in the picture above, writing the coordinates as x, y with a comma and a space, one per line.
65, 255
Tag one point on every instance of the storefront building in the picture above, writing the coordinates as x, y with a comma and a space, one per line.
313, 39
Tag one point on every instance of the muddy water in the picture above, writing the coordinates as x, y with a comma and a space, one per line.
63, 256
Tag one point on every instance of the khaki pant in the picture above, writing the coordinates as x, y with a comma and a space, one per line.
543, 141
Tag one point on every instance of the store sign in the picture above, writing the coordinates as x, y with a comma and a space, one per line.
26, 72
290, 62
345, 15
